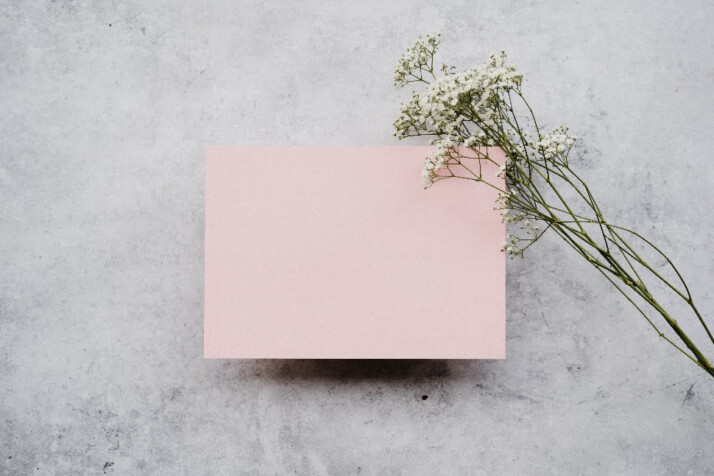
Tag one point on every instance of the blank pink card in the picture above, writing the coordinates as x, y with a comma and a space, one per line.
340, 253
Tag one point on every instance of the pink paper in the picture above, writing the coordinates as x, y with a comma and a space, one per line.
339, 252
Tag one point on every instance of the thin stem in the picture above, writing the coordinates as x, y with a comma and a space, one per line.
539, 185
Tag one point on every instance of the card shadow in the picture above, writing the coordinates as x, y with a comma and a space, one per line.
376, 370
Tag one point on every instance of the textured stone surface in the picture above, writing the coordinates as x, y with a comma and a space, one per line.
106, 108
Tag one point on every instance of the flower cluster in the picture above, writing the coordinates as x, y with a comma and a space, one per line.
450, 103
437, 160
467, 110
464, 113
416, 61
507, 204
555, 143
511, 245
464, 110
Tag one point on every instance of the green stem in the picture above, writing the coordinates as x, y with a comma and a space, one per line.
532, 178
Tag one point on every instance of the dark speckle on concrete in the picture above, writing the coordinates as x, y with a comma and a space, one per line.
690, 393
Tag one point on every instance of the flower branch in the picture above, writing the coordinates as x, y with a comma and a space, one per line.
464, 113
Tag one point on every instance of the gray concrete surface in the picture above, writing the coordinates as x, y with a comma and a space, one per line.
105, 110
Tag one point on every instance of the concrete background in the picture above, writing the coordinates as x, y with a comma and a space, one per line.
105, 110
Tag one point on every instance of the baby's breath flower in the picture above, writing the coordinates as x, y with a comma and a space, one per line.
555, 143
416, 61
450, 102
465, 113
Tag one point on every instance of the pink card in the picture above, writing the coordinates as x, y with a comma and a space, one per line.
340, 253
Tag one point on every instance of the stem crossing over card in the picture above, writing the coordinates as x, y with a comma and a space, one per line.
339, 252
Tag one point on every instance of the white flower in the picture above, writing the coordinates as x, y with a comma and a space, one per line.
554, 143
437, 108
416, 60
